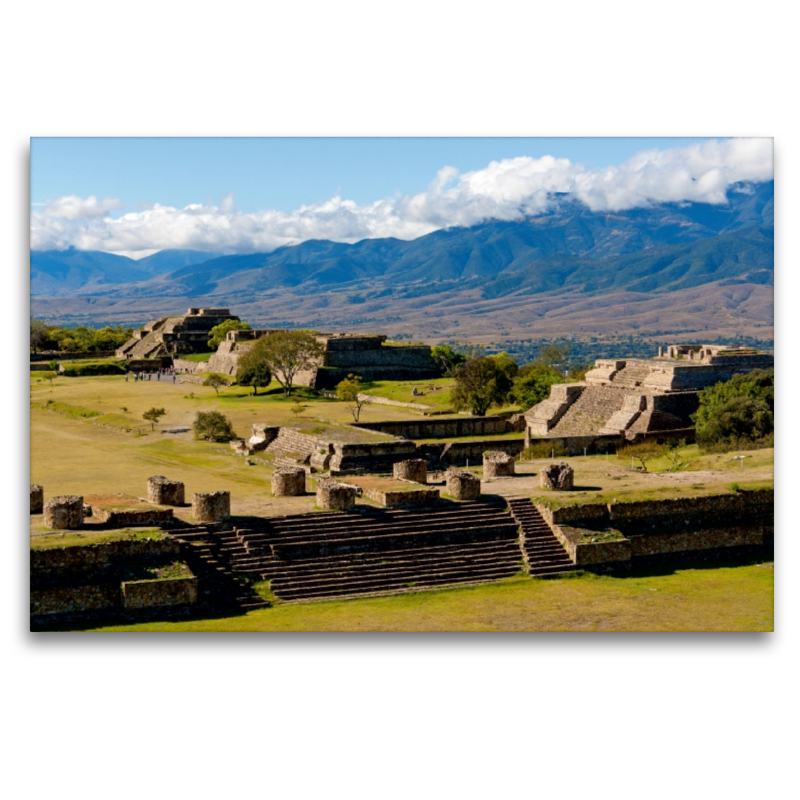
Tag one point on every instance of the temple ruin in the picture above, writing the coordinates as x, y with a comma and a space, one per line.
637, 396
175, 336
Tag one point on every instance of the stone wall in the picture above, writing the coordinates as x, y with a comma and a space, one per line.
162, 592
394, 498
459, 453
414, 469
94, 556
664, 527
129, 517
37, 498
336, 496
184, 366
443, 427
75, 599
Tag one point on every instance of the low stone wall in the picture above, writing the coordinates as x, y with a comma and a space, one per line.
181, 365
403, 497
75, 599
457, 454
575, 445
163, 592
93, 556
663, 527
121, 518
443, 427
211, 507
369, 457
557, 477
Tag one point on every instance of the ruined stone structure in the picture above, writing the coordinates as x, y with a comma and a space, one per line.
289, 482
336, 496
462, 485
64, 512
497, 464
174, 336
632, 397
557, 476
164, 492
37, 498
211, 507
345, 353
415, 469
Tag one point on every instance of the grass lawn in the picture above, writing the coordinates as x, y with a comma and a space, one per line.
723, 598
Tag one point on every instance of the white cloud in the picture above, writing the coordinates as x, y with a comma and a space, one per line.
73, 207
504, 190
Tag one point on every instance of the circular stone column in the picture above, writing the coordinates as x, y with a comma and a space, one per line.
462, 485
289, 482
557, 476
37, 498
415, 469
497, 464
336, 496
164, 492
211, 507
64, 512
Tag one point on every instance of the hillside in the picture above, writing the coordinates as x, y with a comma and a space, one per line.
554, 274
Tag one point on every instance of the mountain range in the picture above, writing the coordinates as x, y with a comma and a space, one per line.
571, 252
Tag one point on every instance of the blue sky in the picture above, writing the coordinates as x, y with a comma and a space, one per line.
283, 174
227, 195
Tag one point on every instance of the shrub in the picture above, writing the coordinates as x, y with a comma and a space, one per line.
737, 410
544, 450
83, 370
213, 426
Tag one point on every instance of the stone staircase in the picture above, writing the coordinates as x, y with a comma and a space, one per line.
208, 555
590, 412
544, 555
377, 551
632, 375
293, 449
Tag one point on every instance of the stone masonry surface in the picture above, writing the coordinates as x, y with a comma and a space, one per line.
211, 507
37, 498
64, 512
164, 492
335, 496
462, 485
289, 482
557, 476
414, 469
497, 464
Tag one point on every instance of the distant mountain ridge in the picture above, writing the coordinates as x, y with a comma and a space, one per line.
665, 248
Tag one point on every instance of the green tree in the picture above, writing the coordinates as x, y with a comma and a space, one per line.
153, 415
215, 380
350, 391
447, 359
212, 426
479, 385
40, 335
532, 384
645, 451
252, 370
286, 353
219, 332
50, 376
735, 410
555, 356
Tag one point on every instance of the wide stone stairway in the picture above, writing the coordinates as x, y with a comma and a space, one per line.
590, 412
375, 551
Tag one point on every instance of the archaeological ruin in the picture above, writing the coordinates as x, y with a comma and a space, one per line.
175, 336
625, 399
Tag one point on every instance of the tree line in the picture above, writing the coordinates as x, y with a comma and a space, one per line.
76, 340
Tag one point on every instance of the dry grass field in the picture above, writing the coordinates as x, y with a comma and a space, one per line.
91, 439
723, 598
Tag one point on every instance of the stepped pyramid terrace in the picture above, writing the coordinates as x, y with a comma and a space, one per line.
629, 397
